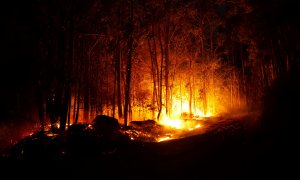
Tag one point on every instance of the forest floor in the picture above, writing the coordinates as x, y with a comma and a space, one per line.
228, 149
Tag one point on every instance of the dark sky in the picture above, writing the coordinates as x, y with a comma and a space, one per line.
16, 48
16, 38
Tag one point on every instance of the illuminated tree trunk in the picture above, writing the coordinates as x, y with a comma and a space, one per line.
154, 69
78, 99
63, 84
205, 93
118, 71
41, 100
167, 69
160, 89
160, 75
74, 103
180, 88
70, 64
86, 104
69, 107
115, 84
100, 103
86, 95
128, 80
120, 111
190, 89
128, 66
80, 69
65, 108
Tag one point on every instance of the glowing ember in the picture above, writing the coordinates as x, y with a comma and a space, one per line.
196, 127
51, 134
163, 139
90, 126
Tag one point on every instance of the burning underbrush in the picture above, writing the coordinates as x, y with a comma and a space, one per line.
152, 131
105, 136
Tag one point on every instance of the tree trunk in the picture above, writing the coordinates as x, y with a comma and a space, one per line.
78, 101
167, 68
128, 66
160, 75
153, 68
190, 89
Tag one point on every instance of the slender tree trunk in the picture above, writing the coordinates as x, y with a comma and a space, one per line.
190, 89
65, 108
71, 62
128, 66
180, 88
205, 94
160, 75
69, 108
79, 82
86, 104
167, 68
74, 103
41, 101
114, 95
153, 68
78, 101
118, 71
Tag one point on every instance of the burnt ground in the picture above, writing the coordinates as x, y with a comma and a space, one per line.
229, 149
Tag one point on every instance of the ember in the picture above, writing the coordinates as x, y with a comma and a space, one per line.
163, 139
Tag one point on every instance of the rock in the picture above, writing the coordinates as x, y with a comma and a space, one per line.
106, 123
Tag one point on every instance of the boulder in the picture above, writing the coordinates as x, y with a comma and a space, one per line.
106, 123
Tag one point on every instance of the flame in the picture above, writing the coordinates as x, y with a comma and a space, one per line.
180, 124
182, 118
174, 123
182, 108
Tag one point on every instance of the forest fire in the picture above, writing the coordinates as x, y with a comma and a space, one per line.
181, 119
180, 124
167, 128
181, 127
140, 88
